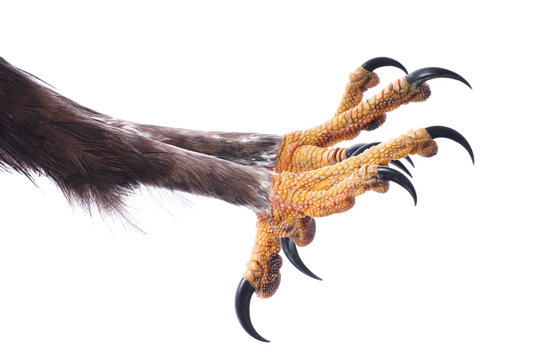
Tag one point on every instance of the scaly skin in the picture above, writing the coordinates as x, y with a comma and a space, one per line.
306, 150
313, 180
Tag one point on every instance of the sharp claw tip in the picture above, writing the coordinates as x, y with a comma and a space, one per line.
420, 76
389, 174
290, 251
381, 61
244, 292
402, 167
449, 133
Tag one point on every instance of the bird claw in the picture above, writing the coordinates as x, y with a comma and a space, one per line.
242, 303
420, 76
378, 62
245, 290
291, 252
357, 149
388, 174
352, 150
402, 167
449, 133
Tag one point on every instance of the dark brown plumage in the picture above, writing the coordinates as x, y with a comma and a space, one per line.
97, 160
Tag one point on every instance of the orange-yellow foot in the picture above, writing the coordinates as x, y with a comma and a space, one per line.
302, 235
299, 196
313, 181
309, 149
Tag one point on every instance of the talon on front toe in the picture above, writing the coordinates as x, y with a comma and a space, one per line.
352, 150
291, 252
357, 149
418, 77
389, 174
400, 166
378, 62
449, 133
362, 147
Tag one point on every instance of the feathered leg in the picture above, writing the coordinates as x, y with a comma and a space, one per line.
96, 159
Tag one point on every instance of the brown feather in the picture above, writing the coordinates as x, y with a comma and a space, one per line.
95, 159
259, 150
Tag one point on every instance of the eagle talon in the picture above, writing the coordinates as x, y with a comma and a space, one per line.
357, 149
389, 174
378, 62
400, 166
420, 76
351, 150
449, 133
242, 303
408, 158
291, 252
363, 147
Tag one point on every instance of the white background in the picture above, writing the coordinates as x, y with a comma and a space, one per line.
457, 276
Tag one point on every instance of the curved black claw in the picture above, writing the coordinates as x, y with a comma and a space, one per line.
408, 158
449, 133
378, 62
351, 150
360, 148
420, 76
289, 248
241, 303
364, 147
402, 167
389, 174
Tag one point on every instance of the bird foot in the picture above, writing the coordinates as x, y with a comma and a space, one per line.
312, 180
